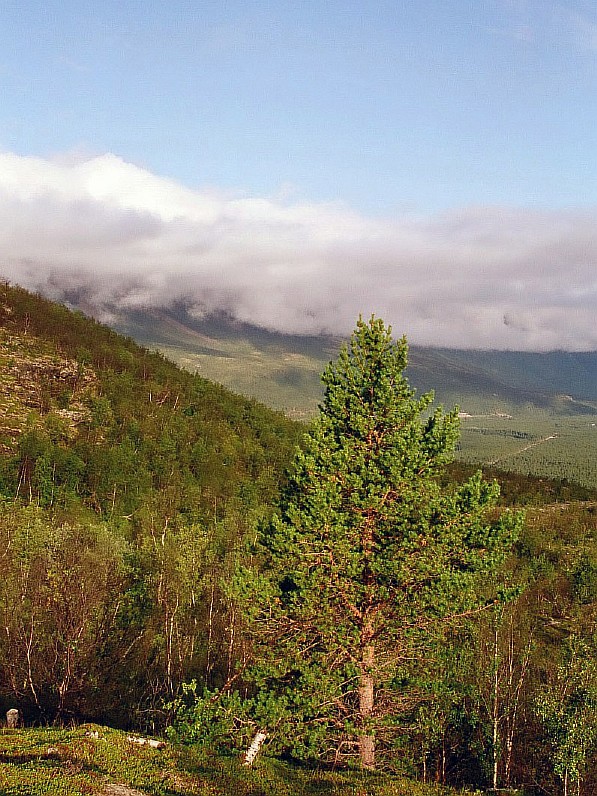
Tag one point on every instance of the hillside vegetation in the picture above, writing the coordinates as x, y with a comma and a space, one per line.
92, 759
129, 490
525, 412
127, 486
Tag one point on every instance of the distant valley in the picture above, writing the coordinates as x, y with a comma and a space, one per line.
283, 371
526, 412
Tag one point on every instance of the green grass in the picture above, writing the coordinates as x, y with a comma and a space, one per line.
87, 759
59, 761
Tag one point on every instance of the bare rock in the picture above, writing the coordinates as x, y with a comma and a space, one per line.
12, 718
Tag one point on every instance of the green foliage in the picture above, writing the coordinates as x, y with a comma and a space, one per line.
129, 488
368, 559
584, 579
59, 601
211, 721
134, 422
86, 760
568, 709
174, 468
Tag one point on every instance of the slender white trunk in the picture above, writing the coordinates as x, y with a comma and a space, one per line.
210, 625
254, 748
495, 710
231, 644
30, 664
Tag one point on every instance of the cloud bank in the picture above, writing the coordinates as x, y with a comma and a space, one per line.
477, 277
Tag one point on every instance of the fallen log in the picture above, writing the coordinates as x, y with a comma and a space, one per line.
253, 750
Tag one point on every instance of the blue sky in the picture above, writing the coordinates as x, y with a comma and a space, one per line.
296, 163
423, 104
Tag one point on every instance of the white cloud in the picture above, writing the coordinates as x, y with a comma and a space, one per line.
475, 277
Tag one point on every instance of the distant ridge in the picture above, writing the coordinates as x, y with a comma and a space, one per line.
283, 370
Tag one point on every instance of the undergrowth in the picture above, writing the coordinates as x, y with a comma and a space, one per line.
88, 759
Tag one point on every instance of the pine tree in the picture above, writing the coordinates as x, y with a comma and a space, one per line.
367, 560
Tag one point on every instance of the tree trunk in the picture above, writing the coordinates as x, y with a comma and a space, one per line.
366, 701
495, 718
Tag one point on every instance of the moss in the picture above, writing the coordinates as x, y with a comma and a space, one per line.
87, 759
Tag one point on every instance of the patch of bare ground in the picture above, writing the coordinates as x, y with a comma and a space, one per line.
179, 781
34, 379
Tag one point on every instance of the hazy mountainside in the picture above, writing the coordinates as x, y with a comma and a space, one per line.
523, 412
559, 380
283, 370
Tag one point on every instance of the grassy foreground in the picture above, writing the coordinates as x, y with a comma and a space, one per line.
98, 760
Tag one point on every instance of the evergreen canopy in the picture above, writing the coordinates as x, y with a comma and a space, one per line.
366, 561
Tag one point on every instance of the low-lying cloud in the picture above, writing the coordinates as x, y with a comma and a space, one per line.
476, 277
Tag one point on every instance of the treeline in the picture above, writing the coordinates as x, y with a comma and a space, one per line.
127, 494
511, 700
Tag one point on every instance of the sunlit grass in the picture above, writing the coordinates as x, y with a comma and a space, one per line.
87, 759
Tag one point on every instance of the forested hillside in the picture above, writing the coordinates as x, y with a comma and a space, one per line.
126, 486
129, 493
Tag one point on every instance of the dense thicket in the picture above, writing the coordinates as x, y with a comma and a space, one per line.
127, 491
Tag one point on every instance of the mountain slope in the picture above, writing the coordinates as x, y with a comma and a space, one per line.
81, 385
283, 370
126, 488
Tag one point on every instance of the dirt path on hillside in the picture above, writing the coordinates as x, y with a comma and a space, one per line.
521, 450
